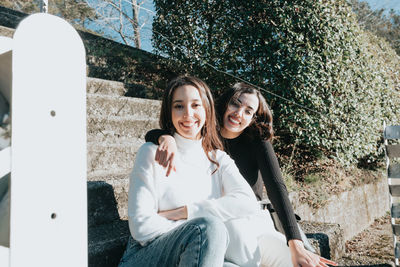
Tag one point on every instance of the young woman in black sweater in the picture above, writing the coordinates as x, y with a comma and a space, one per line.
246, 133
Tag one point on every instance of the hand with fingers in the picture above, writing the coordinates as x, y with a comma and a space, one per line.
304, 258
165, 154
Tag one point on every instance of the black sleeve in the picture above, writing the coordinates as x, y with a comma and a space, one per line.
153, 135
276, 189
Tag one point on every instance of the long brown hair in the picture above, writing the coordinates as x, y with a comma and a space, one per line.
261, 126
211, 140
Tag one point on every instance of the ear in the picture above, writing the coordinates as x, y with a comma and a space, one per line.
254, 119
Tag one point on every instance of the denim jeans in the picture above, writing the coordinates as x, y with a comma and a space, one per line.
197, 242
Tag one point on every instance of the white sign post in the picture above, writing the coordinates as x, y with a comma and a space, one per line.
48, 145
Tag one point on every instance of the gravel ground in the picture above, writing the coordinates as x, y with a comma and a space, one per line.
372, 247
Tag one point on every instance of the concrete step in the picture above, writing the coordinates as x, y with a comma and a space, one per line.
104, 87
114, 127
102, 204
108, 200
106, 105
6, 32
107, 233
327, 238
107, 243
111, 138
108, 176
111, 157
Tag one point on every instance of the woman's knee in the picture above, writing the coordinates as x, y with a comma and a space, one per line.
213, 229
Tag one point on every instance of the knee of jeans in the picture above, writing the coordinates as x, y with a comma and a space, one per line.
214, 229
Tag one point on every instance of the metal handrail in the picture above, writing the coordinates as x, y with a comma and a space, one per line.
44, 6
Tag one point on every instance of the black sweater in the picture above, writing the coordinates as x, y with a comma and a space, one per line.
252, 155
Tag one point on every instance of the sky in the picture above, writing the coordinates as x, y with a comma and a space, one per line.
146, 14
386, 4
146, 31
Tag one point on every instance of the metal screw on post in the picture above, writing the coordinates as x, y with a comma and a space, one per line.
44, 6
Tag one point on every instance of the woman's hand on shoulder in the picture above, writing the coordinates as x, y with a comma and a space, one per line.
304, 258
165, 153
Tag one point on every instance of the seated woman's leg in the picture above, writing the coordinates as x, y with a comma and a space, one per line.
197, 242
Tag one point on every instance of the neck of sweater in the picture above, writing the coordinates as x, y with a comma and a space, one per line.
191, 151
185, 145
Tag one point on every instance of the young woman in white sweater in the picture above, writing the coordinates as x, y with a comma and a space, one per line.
205, 213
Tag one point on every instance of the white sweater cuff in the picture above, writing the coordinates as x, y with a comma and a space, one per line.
192, 211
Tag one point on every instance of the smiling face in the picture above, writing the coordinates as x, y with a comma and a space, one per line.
239, 115
188, 113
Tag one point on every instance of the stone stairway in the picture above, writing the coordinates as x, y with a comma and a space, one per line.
116, 126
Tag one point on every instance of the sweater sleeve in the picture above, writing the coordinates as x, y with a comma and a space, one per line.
144, 222
153, 135
276, 189
237, 200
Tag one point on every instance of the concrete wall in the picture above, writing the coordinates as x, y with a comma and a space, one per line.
354, 210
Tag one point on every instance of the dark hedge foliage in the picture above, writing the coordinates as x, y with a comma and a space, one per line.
309, 51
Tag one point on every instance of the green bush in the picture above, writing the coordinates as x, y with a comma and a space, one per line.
311, 52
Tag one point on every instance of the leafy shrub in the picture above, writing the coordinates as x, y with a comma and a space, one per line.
311, 52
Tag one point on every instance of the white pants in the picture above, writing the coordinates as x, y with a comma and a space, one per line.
275, 252
253, 241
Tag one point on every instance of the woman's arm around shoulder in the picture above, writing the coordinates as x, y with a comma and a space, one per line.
165, 154
237, 200
144, 221
153, 135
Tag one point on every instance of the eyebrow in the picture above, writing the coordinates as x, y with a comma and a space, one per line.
250, 107
180, 101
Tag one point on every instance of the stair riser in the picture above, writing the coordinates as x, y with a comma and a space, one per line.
99, 86
122, 106
117, 159
111, 128
113, 139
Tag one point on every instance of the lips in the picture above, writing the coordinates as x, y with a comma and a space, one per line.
188, 124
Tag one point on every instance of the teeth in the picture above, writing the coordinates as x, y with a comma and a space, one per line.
234, 121
187, 124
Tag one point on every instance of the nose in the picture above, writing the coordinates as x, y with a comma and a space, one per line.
239, 111
188, 112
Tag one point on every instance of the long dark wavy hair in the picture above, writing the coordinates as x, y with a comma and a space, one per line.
261, 126
209, 133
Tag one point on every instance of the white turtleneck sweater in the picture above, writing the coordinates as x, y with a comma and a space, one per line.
224, 194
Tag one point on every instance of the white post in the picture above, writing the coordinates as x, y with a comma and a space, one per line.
48, 150
44, 6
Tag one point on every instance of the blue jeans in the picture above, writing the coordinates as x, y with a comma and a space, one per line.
197, 242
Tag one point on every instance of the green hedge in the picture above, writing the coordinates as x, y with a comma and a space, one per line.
309, 51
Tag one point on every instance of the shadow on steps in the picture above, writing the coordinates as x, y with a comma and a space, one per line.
107, 233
